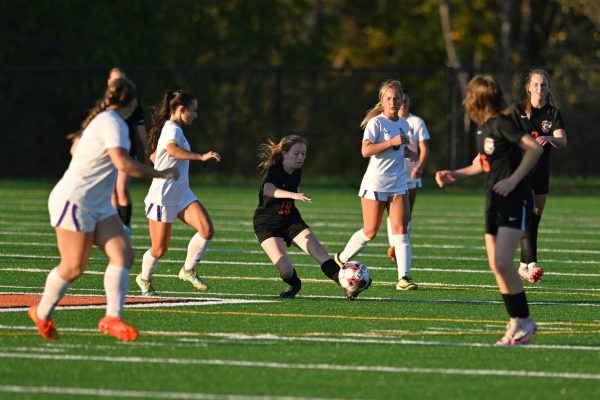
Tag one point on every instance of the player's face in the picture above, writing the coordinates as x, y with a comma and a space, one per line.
189, 114
404, 106
538, 88
391, 103
294, 158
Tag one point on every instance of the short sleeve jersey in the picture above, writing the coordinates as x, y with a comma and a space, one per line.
135, 119
271, 211
498, 146
544, 121
91, 175
386, 172
417, 131
169, 192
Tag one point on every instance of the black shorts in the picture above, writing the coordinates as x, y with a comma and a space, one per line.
285, 231
509, 214
539, 178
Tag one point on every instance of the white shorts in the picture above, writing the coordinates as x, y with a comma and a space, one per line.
414, 183
381, 196
161, 213
66, 214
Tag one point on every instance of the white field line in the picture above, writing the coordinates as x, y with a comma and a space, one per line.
142, 394
299, 366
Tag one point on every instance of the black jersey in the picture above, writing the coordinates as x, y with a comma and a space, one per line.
135, 119
544, 121
498, 146
272, 212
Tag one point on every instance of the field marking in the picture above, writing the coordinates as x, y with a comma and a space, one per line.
301, 366
144, 394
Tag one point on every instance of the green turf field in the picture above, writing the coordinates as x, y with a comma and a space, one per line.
240, 341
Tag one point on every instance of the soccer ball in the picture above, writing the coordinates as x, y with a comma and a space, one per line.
354, 277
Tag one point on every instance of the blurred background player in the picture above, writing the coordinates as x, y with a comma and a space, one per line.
418, 142
384, 183
82, 215
277, 222
507, 154
121, 198
171, 199
538, 116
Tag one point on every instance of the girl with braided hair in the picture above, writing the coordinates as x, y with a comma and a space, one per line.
170, 199
82, 214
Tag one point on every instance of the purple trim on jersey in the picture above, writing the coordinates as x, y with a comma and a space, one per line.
64, 211
149, 209
364, 193
74, 215
158, 214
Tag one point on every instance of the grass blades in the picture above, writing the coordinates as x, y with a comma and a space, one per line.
239, 340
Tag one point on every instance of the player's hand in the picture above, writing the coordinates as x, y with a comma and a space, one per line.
543, 140
415, 173
444, 177
504, 186
170, 173
211, 155
302, 197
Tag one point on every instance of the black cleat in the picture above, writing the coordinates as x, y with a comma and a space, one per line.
289, 293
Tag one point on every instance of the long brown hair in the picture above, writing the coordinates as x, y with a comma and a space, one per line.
484, 98
119, 93
168, 105
378, 108
527, 102
271, 153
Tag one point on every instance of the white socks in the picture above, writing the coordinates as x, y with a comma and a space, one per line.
196, 249
149, 265
116, 282
403, 254
54, 290
358, 241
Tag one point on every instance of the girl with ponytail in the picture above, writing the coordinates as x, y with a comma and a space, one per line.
170, 199
82, 214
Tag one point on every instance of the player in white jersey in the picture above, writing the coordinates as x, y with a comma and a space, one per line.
418, 136
170, 199
82, 214
384, 142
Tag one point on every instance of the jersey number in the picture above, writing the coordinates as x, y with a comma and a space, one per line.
485, 164
285, 208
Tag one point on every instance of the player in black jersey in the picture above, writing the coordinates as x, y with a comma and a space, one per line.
277, 221
507, 154
538, 116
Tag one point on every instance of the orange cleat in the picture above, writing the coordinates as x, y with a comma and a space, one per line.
45, 327
391, 252
115, 326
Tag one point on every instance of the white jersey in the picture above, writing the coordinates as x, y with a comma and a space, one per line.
91, 176
167, 192
417, 132
385, 172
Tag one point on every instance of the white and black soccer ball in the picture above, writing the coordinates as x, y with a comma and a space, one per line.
354, 277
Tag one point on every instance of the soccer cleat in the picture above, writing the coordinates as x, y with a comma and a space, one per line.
518, 331
391, 252
146, 287
115, 326
406, 283
194, 279
45, 327
531, 272
290, 292
353, 295
336, 258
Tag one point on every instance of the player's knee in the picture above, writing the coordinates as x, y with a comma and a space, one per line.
158, 251
370, 233
207, 233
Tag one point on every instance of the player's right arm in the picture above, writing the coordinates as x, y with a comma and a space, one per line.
271, 190
445, 177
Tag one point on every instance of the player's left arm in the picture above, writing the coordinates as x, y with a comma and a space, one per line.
558, 138
532, 151
178, 153
423, 157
